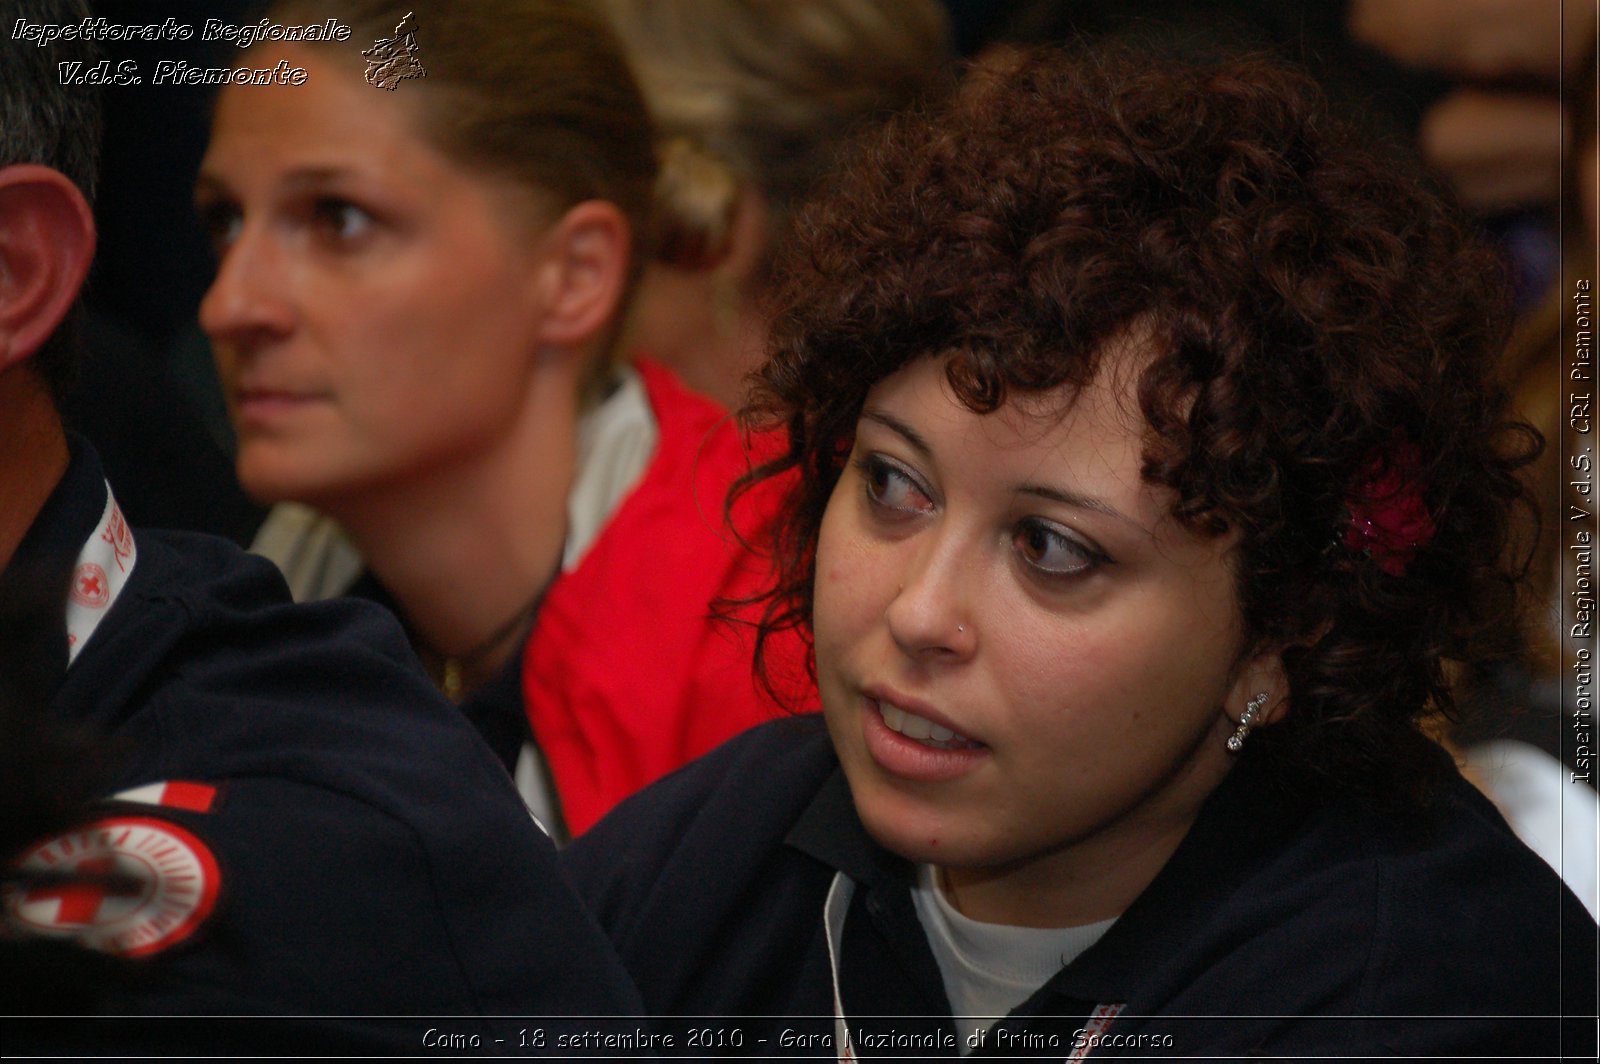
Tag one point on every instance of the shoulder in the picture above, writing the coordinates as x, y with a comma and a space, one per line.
1462, 885
373, 856
1458, 884
709, 909
203, 580
1370, 896
204, 627
1557, 815
207, 665
723, 811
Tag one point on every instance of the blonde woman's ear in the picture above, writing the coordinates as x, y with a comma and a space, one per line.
588, 254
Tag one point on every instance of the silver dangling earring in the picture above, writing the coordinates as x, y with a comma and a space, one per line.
1246, 720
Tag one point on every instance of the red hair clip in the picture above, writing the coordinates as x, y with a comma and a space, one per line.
1389, 522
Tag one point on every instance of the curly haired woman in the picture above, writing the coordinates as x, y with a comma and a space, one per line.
1147, 472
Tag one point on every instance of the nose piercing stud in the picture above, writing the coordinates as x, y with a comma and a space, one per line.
961, 628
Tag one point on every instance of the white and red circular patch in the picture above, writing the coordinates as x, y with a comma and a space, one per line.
90, 588
142, 885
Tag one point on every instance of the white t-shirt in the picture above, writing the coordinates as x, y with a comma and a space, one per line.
990, 969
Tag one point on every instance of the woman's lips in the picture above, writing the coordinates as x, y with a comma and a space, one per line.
266, 404
912, 746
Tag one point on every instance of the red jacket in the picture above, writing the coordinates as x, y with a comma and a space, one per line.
625, 676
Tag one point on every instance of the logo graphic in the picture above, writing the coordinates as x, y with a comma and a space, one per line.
120, 536
1099, 1020
393, 59
90, 588
127, 885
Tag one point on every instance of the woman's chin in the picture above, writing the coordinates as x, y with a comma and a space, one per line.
918, 833
269, 478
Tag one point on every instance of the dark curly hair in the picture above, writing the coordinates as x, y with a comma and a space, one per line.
1318, 317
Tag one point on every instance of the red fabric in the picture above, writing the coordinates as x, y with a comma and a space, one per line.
625, 676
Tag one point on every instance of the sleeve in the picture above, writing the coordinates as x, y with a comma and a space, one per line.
371, 858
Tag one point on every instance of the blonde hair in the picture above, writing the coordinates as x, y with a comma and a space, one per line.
765, 92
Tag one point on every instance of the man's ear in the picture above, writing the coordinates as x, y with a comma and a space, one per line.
47, 240
589, 251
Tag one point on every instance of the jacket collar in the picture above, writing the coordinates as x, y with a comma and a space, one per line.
1238, 828
43, 562
830, 831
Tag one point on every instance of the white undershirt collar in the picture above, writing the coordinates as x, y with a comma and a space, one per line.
99, 575
990, 969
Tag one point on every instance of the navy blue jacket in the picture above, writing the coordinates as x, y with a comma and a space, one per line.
372, 856
1277, 927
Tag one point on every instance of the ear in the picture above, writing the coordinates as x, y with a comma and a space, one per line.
1261, 674
588, 253
748, 236
46, 244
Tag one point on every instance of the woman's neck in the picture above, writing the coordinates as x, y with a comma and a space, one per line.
467, 549
703, 327
1098, 877
1067, 890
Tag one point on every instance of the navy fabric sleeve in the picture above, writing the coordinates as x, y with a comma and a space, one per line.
374, 858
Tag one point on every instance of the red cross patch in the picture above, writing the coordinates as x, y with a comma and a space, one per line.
90, 588
127, 885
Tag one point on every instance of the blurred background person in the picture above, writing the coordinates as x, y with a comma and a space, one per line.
1473, 88
1498, 129
414, 317
754, 100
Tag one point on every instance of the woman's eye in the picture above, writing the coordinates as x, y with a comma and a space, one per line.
1053, 551
222, 222
892, 488
340, 220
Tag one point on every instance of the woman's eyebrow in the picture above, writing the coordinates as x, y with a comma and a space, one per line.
1079, 501
209, 184
1042, 491
299, 180
900, 428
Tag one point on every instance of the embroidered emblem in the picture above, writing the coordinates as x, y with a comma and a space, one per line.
98, 576
120, 536
1094, 1030
90, 588
127, 885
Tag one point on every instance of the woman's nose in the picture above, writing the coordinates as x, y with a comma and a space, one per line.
248, 299
929, 615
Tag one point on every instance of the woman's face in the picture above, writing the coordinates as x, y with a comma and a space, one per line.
1024, 661
376, 308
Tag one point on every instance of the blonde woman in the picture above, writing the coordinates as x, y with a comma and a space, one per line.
417, 294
